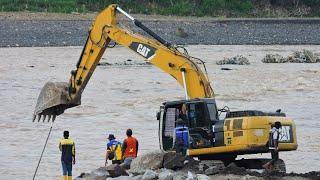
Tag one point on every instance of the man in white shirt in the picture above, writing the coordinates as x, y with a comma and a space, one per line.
273, 144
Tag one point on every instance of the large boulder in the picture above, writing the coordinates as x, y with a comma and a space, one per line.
210, 167
149, 175
165, 174
121, 178
97, 174
116, 170
180, 175
102, 171
202, 177
172, 160
151, 160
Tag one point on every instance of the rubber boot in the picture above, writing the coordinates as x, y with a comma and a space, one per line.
64, 178
69, 178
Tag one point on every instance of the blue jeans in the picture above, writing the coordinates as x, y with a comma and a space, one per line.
66, 168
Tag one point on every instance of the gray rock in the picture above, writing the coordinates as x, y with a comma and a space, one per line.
173, 160
102, 171
239, 60
138, 177
152, 160
202, 177
212, 170
121, 178
179, 177
232, 165
149, 175
166, 175
116, 170
213, 166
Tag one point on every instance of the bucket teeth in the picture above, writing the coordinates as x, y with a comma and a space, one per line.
34, 118
54, 117
39, 117
44, 118
49, 117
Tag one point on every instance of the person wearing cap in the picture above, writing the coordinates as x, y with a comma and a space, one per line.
68, 155
181, 137
273, 143
114, 151
129, 149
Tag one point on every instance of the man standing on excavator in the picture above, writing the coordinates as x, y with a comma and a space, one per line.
273, 144
68, 155
129, 149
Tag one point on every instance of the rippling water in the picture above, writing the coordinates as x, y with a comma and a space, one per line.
119, 97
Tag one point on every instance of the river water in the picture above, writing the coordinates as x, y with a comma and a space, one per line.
120, 97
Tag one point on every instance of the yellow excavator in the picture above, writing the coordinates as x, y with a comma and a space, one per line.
240, 132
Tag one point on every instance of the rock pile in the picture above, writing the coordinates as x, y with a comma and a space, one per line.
304, 56
239, 60
171, 166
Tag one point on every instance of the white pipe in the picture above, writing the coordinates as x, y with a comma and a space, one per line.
125, 13
185, 85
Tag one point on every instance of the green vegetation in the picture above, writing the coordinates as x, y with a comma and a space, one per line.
217, 8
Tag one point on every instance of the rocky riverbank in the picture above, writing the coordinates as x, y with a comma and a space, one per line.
171, 166
43, 29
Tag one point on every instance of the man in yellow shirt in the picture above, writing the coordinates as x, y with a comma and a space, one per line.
68, 155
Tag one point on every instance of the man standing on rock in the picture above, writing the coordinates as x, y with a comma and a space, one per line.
129, 149
68, 155
114, 151
273, 144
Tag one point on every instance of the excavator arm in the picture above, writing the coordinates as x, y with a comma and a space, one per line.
55, 97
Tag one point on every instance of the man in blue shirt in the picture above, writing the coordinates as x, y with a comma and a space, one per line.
182, 137
114, 151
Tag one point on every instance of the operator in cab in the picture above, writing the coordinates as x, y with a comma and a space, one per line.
114, 152
273, 143
181, 137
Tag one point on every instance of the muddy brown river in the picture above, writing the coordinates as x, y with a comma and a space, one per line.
120, 97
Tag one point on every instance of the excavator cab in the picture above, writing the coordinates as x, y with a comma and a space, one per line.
199, 115
239, 132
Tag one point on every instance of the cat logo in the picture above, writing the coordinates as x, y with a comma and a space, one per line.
144, 50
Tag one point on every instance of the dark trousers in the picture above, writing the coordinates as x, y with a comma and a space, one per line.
274, 156
66, 168
116, 161
182, 149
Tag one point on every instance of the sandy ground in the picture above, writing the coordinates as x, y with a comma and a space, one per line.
118, 97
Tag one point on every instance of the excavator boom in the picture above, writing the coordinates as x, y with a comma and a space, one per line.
56, 97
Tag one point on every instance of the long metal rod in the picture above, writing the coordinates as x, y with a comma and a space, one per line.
143, 27
44, 147
125, 13
185, 84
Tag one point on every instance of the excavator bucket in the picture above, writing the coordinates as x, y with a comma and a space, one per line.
52, 101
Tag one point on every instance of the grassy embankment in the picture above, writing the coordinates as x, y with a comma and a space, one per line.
217, 8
